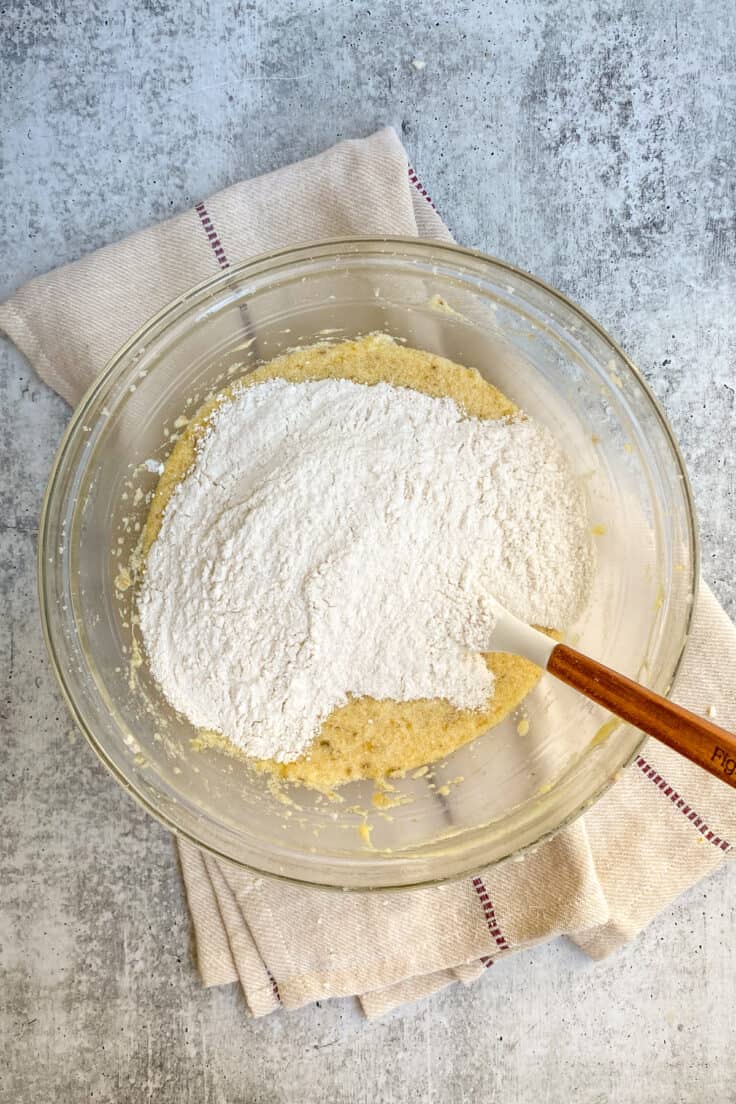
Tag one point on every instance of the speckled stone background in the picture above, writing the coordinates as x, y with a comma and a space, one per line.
592, 143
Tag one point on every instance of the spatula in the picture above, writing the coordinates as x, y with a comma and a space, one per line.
701, 741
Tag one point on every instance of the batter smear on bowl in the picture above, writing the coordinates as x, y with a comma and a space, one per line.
320, 551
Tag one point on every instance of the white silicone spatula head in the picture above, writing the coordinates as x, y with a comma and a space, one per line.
698, 739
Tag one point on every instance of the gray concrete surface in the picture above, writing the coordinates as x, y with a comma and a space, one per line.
593, 143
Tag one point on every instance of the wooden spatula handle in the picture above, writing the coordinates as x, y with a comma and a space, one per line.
701, 741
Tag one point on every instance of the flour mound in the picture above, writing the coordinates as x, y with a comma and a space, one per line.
335, 540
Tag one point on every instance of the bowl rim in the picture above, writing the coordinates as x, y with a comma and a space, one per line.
212, 284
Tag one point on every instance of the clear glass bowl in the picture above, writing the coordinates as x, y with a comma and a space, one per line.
510, 788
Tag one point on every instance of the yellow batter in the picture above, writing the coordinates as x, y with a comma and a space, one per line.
368, 738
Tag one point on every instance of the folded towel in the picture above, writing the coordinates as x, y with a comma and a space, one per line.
661, 827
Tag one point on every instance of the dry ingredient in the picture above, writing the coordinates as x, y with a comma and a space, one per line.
334, 540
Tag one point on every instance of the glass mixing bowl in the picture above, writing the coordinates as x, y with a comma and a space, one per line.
511, 787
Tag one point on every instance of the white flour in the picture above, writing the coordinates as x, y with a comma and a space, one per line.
336, 540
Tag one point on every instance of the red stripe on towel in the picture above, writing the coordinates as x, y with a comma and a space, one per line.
680, 803
274, 986
212, 236
414, 179
490, 918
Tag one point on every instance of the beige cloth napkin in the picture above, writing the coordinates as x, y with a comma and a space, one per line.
662, 826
